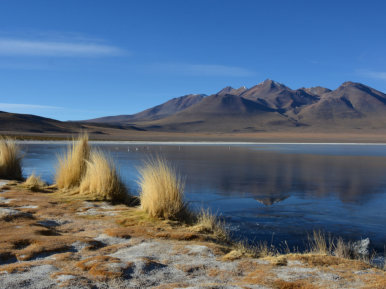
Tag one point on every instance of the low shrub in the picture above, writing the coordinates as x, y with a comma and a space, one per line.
10, 159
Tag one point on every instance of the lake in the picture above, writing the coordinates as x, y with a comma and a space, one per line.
271, 192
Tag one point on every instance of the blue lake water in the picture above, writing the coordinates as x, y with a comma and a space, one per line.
270, 192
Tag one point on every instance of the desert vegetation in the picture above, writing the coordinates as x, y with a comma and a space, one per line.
101, 180
73, 164
162, 196
10, 159
207, 222
34, 183
320, 243
90, 174
162, 190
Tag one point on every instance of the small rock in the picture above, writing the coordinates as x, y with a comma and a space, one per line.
6, 213
3, 183
362, 247
63, 278
5, 200
53, 223
110, 240
29, 207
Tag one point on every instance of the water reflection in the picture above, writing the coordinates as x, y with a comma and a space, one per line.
264, 191
271, 177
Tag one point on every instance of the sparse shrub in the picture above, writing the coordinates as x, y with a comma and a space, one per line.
162, 191
10, 159
342, 249
72, 165
102, 181
34, 183
257, 250
319, 244
208, 222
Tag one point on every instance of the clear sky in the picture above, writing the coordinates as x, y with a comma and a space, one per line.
79, 59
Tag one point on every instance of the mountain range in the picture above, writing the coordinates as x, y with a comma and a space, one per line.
267, 106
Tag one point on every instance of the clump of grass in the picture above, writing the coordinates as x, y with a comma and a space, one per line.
72, 165
162, 191
34, 183
343, 249
10, 159
319, 244
208, 222
102, 181
257, 250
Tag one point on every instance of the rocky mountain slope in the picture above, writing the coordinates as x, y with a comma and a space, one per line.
268, 106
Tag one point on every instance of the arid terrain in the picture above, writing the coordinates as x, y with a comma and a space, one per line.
266, 112
50, 240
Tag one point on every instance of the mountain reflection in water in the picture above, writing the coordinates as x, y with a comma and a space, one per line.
271, 177
263, 191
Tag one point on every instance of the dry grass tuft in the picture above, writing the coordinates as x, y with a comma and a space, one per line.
34, 183
101, 181
162, 191
210, 223
259, 250
10, 159
72, 165
343, 249
319, 244
103, 267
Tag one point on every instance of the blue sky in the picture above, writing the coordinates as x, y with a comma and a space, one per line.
82, 59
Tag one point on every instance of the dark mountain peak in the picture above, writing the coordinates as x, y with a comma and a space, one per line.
316, 90
271, 83
357, 85
231, 90
350, 83
225, 90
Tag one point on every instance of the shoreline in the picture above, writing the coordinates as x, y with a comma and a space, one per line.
55, 240
202, 142
299, 137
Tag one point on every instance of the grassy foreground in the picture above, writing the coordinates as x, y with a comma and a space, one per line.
62, 240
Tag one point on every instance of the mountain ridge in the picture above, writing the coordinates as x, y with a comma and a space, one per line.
266, 106
269, 106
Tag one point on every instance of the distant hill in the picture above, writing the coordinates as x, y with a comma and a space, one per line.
32, 124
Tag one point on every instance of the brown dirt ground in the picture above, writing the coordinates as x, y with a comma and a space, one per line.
86, 243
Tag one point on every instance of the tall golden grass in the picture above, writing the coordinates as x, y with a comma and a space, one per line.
34, 183
10, 159
72, 165
162, 190
101, 180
